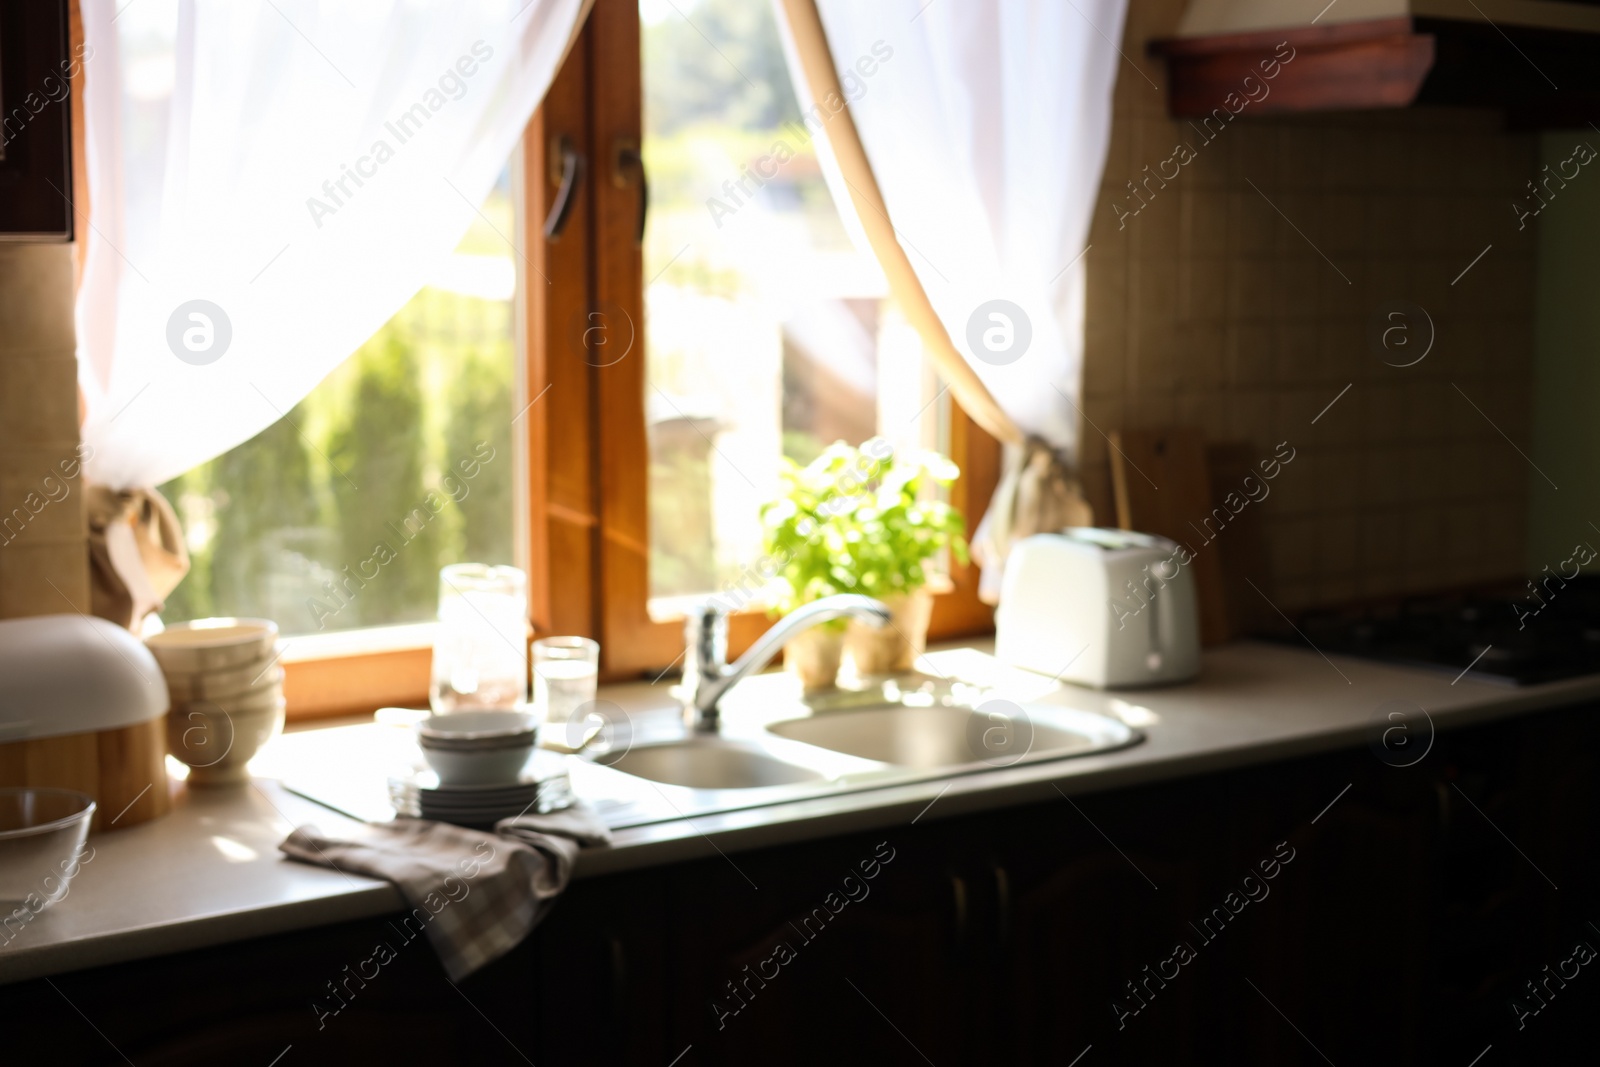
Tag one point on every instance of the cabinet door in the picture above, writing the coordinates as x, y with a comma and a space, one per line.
1346, 931
602, 973
1520, 874
250, 1001
798, 956
1088, 893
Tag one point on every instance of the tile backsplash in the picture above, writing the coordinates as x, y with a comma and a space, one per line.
1241, 297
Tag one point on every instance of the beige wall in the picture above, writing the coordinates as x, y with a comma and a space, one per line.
44, 558
1208, 308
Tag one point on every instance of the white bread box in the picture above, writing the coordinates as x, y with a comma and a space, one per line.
83, 706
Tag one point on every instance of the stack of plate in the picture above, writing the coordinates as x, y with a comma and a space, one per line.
226, 692
542, 788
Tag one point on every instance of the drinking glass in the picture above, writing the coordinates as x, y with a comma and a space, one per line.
480, 657
565, 670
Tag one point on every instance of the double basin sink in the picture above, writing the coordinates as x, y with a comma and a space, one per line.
899, 731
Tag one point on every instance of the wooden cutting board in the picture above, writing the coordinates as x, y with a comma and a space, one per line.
1161, 485
1246, 561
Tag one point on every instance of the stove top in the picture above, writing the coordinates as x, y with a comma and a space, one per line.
1537, 638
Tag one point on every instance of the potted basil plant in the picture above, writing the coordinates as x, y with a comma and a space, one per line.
806, 542
863, 521
899, 528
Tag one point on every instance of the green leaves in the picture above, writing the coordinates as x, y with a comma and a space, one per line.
860, 521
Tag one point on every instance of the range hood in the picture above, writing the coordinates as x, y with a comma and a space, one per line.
1539, 60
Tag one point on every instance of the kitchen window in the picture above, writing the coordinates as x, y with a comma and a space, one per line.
676, 326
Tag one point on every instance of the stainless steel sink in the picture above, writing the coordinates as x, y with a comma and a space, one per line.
951, 737
711, 762
775, 747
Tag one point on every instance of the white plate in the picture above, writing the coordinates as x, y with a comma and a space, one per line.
426, 779
544, 787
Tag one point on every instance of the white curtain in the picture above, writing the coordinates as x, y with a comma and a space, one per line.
987, 126
269, 181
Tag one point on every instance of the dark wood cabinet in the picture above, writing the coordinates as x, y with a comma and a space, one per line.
855, 943
258, 1000
598, 989
1327, 908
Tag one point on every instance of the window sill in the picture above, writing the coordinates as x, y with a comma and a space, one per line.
675, 608
329, 676
333, 675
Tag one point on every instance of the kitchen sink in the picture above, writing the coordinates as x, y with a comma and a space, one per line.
952, 736
711, 762
776, 747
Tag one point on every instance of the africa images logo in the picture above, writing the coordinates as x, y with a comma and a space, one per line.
199, 332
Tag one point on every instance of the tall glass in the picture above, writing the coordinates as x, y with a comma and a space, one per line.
480, 657
565, 670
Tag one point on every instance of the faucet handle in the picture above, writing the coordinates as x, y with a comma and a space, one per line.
705, 640
707, 621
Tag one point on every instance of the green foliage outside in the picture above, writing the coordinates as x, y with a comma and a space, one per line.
480, 403
718, 95
378, 499
288, 525
747, 86
682, 560
863, 520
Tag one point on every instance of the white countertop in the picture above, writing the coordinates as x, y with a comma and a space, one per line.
210, 872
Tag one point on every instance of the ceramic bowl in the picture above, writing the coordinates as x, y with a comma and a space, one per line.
218, 685
478, 729
478, 747
217, 744
253, 701
42, 834
207, 645
488, 767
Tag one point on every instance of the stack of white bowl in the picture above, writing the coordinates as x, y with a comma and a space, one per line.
226, 688
481, 760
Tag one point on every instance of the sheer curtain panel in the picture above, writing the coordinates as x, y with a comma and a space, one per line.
269, 181
982, 131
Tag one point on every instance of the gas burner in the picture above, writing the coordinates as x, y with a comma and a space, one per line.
1560, 640
1501, 654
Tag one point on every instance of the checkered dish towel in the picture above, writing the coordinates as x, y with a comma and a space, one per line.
476, 894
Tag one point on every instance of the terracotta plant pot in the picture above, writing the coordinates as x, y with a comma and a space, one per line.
813, 656
892, 649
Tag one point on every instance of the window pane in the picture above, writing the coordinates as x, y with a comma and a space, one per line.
340, 515
768, 332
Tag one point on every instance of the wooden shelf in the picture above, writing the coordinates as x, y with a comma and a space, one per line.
1345, 66
1387, 63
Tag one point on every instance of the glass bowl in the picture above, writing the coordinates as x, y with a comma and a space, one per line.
42, 833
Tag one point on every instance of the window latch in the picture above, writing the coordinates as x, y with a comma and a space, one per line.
625, 157
567, 166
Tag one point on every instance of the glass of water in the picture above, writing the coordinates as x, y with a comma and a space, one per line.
480, 657
565, 670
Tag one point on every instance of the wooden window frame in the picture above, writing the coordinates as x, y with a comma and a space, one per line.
587, 516
614, 508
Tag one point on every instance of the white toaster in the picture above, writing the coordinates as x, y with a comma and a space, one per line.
1099, 607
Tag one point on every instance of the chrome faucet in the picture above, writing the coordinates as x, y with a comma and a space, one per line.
707, 675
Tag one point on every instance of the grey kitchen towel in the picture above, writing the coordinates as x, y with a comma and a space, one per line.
476, 894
